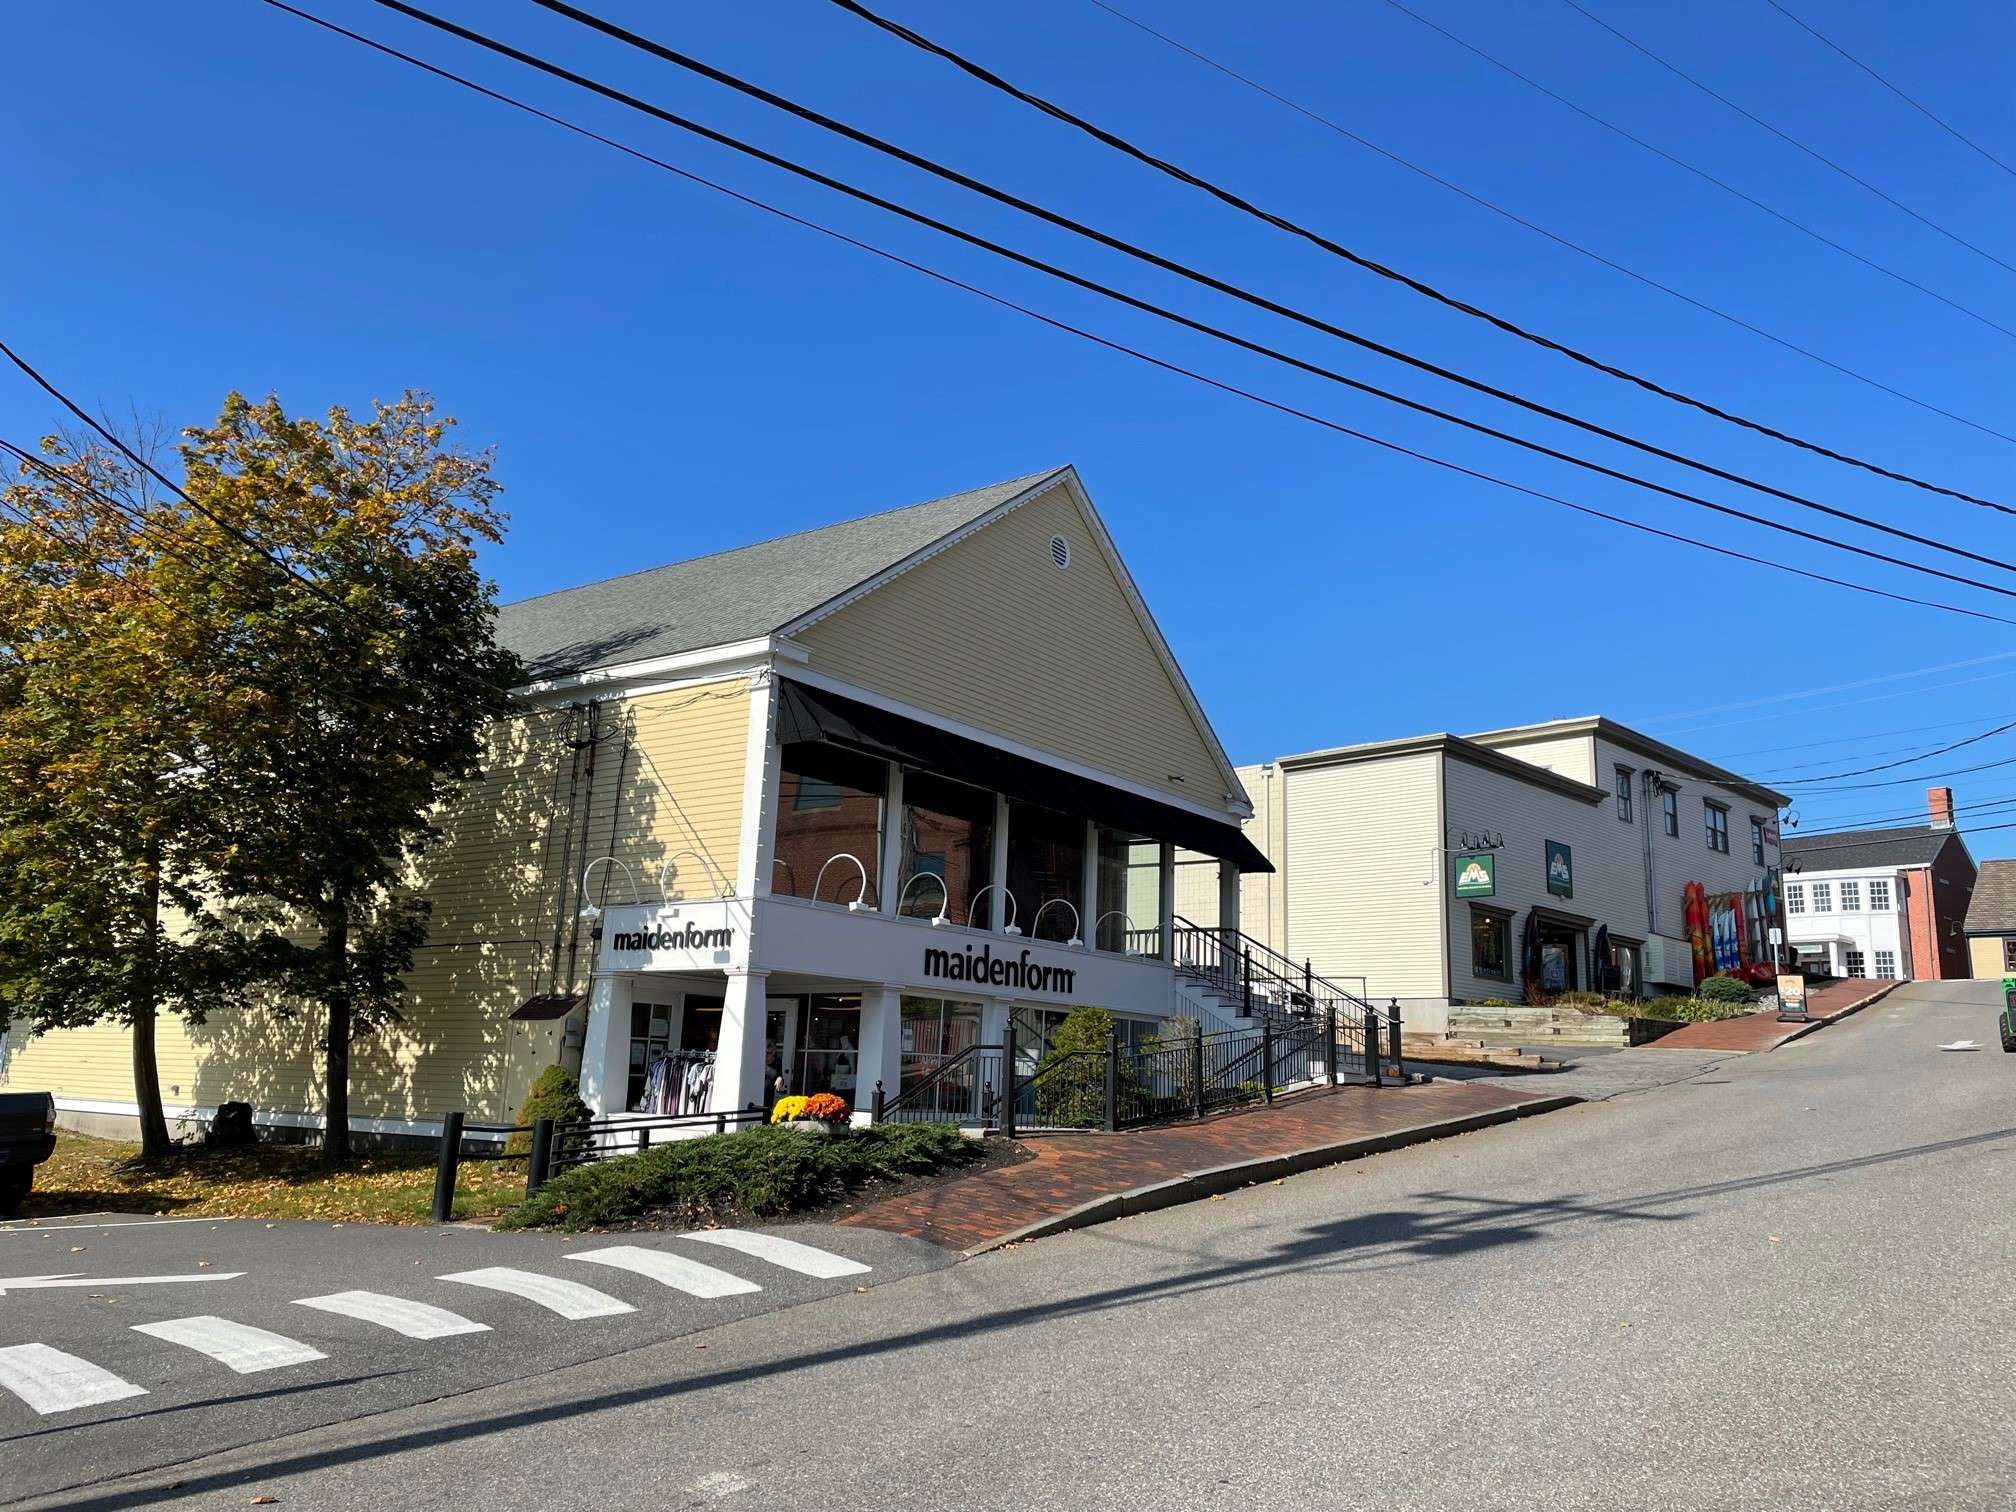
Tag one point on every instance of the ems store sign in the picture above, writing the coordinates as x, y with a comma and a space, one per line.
1560, 870
1476, 876
685, 937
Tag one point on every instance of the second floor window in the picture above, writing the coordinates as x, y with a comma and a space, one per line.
1851, 897
1823, 897
1795, 898
1669, 811
1624, 794
1756, 840
1716, 821
1879, 894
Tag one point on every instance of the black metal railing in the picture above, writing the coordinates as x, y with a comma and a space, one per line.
1257, 979
581, 1140
963, 1089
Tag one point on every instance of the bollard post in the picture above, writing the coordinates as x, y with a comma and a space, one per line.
1112, 1080
1197, 1071
875, 1103
542, 1155
1330, 1041
1008, 1081
444, 1172
1267, 1060
643, 1138
1372, 1045
1246, 979
1393, 1039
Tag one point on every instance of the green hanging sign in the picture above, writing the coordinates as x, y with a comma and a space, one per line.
1476, 876
1560, 870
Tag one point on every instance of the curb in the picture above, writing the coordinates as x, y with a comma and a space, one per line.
1195, 1186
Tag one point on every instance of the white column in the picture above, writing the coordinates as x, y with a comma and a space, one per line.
881, 1048
738, 1059
891, 880
1228, 903
605, 1056
997, 900
1089, 893
1167, 901
758, 833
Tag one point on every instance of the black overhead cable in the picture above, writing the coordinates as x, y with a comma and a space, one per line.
1060, 325
1974, 829
1558, 239
1950, 130
1784, 136
1916, 818
1908, 760
1141, 254
1809, 745
1337, 249
1701, 173
231, 530
1852, 787
867, 197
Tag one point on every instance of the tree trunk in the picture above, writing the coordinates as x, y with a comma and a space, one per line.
336, 1091
146, 1072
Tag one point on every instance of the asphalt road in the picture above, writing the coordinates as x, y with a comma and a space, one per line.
1777, 1281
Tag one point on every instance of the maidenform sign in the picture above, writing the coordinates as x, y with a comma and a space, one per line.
1560, 870
982, 967
1476, 876
687, 936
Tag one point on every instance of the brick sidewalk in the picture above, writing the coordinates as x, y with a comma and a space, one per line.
1070, 1170
1761, 1031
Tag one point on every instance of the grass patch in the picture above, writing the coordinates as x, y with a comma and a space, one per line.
88, 1175
755, 1173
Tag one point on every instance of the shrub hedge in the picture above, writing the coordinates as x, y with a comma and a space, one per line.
759, 1172
555, 1095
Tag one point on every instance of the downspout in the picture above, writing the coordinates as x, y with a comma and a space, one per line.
1653, 795
594, 739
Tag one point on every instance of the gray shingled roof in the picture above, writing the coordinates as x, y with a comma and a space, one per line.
1867, 850
733, 595
1993, 909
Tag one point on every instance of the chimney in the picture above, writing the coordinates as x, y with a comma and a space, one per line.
1939, 805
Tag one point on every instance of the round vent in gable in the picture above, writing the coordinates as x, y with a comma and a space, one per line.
1060, 552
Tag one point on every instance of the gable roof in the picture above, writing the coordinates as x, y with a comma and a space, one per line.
1992, 909
731, 596
1866, 850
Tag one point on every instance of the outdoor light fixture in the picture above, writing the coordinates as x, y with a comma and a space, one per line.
591, 912
1126, 925
671, 865
855, 905
944, 895
1008, 928
1050, 903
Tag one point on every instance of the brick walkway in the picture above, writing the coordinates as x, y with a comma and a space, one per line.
1072, 1169
1762, 1031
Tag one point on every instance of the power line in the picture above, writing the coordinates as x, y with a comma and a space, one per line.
1843, 687
1101, 341
1950, 130
1977, 829
1906, 761
1814, 745
1317, 239
1784, 136
1026, 260
139, 461
1702, 173
1855, 787
1539, 230
1912, 819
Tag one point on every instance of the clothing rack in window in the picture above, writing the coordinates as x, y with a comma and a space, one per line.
678, 1081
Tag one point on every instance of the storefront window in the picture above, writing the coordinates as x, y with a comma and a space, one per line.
829, 804
948, 833
829, 1055
1490, 945
650, 1037
1130, 894
1046, 865
936, 1033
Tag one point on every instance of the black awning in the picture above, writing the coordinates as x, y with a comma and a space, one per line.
807, 713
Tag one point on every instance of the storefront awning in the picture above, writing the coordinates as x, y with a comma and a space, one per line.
807, 713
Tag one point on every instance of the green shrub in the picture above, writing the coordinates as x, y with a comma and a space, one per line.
1725, 989
1591, 1000
555, 1095
1668, 1007
1695, 1010
760, 1172
1071, 1084
1494, 1003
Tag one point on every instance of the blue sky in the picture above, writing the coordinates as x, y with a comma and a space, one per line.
218, 196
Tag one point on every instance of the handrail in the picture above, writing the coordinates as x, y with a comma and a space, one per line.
936, 1074
1292, 973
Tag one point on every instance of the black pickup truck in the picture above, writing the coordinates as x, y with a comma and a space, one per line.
27, 1138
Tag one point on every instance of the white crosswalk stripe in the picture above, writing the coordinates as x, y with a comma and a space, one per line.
416, 1320
245, 1349
788, 1253
51, 1381
675, 1271
570, 1299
